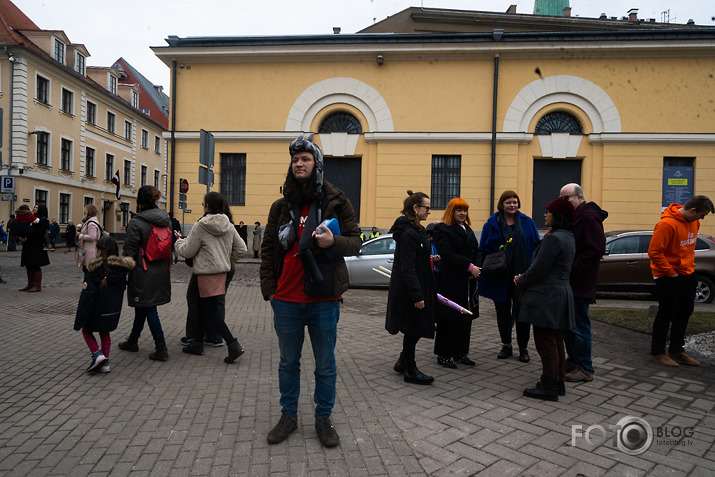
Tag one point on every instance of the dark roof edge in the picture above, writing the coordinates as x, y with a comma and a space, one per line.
696, 33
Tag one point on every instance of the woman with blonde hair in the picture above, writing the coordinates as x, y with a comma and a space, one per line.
458, 250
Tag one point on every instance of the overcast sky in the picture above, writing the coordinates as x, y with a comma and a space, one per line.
127, 28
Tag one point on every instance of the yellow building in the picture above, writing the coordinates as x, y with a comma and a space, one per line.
68, 128
629, 114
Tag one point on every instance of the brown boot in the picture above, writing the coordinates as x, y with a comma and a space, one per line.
160, 353
30, 281
37, 282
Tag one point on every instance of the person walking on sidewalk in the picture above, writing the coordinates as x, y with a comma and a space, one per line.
70, 236
54, 232
213, 244
257, 238
89, 235
590, 247
672, 261
100, 303
303, 275
150, 281
11, 234
412, 297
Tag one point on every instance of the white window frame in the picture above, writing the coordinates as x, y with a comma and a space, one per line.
63, 55
85, 201
47, 194
94, 162
135, 99
80, 63
143, 175
145, 139
64, 89
109, 173
157, 179
96, 109
127, 180
128, 123
59, 207
48, 101
71, 152
113, 129
112, 83
157, 145
48, 163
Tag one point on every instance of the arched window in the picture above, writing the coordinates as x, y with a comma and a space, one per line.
558, 122
340, 122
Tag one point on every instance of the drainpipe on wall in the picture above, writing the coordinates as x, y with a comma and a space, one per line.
173, 137
494, 135
10, 58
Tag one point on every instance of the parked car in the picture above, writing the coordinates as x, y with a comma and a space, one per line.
626, 266
374, 253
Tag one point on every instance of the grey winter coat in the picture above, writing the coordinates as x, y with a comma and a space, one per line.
547, 299
150, 287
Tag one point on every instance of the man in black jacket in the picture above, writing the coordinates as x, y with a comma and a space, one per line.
303, 274
590, 247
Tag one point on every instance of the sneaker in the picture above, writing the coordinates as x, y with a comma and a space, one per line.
683, 358
98, 360
446, 362
105, 367
579, 374
662, 359
216, 344
185, 341
285, 426
326, 432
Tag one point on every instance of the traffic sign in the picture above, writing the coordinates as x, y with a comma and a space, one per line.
182, 197
188, 211
8, 184
184, 185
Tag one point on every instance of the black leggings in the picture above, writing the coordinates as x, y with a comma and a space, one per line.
209, 312
507, 314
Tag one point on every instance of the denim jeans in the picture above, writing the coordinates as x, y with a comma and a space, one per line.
151, 316
675, 305
290, 320
578, 340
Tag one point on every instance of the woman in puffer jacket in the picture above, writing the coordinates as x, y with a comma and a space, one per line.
214, 245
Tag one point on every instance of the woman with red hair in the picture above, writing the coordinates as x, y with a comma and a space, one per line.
458, 250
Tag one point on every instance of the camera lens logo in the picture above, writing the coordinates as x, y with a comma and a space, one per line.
634, 435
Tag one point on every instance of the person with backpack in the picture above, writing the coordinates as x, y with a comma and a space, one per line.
148, 242
89, 234
100, 303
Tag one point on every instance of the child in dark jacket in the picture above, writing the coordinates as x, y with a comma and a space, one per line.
100, 303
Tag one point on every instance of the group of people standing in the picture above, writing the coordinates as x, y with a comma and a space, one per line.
534, 286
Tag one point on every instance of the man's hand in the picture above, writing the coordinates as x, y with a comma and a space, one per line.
324, 239
420, 304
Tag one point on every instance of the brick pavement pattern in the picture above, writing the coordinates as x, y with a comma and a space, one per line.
198, 416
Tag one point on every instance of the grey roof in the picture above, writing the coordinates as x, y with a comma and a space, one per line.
160, 99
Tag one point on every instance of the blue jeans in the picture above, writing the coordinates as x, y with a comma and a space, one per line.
578, 340
289, 321
151, 316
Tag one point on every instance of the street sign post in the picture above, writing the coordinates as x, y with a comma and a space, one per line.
8, 184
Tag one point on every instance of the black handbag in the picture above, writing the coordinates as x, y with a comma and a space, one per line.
495, 263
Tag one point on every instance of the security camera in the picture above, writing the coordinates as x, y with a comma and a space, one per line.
21, 169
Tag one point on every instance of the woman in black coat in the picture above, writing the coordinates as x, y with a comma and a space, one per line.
411, 299
547, 299
31, 231
458, 250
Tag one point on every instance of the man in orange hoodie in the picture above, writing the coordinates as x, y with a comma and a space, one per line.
672, 261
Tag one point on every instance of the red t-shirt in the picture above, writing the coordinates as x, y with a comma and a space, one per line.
292, 279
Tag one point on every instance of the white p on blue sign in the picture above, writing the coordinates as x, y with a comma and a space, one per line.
8, 184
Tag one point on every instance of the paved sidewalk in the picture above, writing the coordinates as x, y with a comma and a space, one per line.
198, 416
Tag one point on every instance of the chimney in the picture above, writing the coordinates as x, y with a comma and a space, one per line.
511, 9
567, 12
633, 15
336, 30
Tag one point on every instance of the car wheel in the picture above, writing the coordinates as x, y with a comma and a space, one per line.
704, 290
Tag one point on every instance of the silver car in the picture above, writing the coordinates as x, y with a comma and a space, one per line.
626, 265
375, 253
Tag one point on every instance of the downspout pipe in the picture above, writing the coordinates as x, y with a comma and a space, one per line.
494, 135
10, 58
173, 136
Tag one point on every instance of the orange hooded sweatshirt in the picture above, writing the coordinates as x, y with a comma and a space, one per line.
672, 248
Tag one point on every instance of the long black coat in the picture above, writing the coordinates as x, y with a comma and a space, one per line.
457, 248
33, 253
99, 308
412, 281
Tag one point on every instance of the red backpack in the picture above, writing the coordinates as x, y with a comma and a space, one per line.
158, 246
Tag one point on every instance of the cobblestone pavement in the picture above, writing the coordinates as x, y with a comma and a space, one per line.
198, 416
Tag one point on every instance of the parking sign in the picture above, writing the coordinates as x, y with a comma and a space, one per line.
8, 184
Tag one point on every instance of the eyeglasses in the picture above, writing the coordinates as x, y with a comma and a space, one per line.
566, 197
426, 207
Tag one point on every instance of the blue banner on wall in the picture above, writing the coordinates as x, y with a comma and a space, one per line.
678, 184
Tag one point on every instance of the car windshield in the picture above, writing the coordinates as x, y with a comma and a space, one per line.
378, 247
